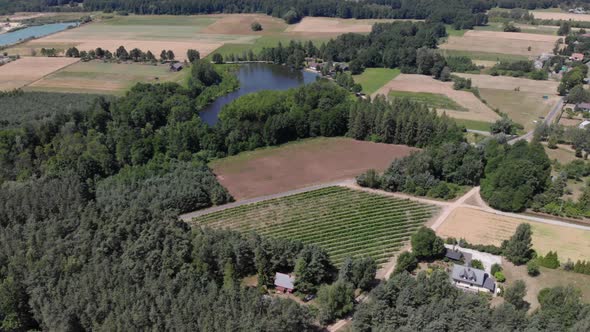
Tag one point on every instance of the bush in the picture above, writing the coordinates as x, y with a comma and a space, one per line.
496, 268
476, 263
550, 260
255, 26
499, 275
370, 179
533, 268
406, 262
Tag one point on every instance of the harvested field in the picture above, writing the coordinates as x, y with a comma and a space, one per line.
478, 111
240, 24
301, 164
19, 73
511, 83
560, 16
100, 77
481, 227
345, 222
502, 42
333, 25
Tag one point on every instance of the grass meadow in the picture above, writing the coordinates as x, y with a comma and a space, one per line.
374, 78
435, 100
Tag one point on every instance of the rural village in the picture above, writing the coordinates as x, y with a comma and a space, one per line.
289, 166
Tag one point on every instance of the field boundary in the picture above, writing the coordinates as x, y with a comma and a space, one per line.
53, 72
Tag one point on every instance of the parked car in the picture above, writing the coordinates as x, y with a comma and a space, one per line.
308, 297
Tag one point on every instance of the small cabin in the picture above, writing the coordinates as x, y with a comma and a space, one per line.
177, 66
284, 283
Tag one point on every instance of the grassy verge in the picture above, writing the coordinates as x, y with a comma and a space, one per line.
435, 100
474, 125
372, 79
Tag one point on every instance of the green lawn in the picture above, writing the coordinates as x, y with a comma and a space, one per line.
345, 222
475, 55
452, 32
474, 125
435, 100
374, 78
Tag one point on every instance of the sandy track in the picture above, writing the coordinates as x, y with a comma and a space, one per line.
478, 111
560, 16
510, 83
26, 70
502, 42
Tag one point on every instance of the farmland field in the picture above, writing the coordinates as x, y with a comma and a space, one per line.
477, 111
435, 100
26, 70
101, 77
474, 125
550, 15
483, 56
502, 42
481, 227
343, 221
301, 164
374, 78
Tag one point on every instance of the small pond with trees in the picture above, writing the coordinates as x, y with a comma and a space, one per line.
255, 77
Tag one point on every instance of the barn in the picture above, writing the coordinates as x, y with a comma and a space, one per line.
284, 283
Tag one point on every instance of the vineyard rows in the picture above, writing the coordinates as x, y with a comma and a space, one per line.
343, 221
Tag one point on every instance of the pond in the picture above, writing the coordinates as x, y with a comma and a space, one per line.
256, 77
10, 38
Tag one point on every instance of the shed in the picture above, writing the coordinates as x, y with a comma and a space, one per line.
177, 66
584, 124
577, 57
284, 282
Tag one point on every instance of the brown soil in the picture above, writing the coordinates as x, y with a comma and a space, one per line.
332, 25
21, 72
478, 111
240, 24
302, 164
502, 42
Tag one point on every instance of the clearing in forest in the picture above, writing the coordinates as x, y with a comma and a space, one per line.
477, 111
301, 164
502, 42
343, 221
480, 227
372, 79
26, 70
101, 77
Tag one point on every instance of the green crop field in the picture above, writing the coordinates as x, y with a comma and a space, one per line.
486, 56
475, 125
374, 78
435, 100
345, 222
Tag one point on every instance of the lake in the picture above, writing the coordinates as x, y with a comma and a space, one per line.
256, 77
10, 38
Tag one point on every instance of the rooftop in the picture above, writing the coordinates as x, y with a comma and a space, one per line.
473, 277
284, 280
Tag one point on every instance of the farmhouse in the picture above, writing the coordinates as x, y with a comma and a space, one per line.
577, 57
284, 283
177, 66
472, 279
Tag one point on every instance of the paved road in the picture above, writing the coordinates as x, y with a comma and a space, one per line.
548, 120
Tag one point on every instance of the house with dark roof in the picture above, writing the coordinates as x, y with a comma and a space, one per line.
472, 279
177, 66
457, 255
284, 283
583, 107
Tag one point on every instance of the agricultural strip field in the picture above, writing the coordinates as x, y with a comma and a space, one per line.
547, 15
343, 221
374, 78
26, 70
301, 164
434, 100
101, 77
481, 227
525, 106
483, 56
477, 111
502, 42
474, 125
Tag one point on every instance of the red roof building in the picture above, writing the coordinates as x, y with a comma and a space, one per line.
577, 57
